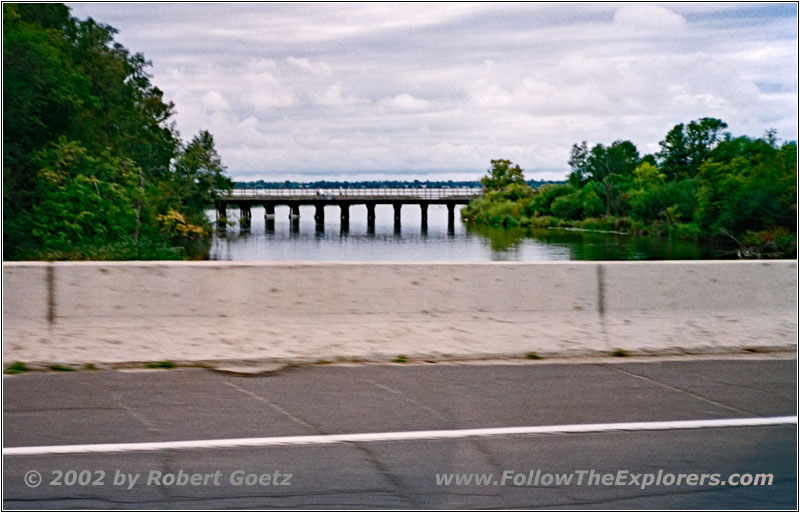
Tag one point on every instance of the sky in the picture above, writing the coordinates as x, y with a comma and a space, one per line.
295, 91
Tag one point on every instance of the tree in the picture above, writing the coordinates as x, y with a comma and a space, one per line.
609, 166
82, 198
201, 173
501, 174
753, 189
685, 148
88, 142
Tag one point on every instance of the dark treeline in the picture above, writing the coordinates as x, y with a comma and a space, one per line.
93, 167
703, 184
373, 184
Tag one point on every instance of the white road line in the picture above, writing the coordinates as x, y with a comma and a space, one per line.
396, 436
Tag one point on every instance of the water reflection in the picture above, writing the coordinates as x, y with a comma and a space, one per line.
377, 234
586, 245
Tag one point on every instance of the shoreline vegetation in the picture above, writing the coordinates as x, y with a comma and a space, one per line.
704, 185
93, 166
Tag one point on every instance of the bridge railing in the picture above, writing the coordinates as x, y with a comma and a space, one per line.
356, 193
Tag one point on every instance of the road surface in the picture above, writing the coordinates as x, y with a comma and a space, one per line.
289, 421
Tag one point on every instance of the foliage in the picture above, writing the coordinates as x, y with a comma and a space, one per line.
502, 174
91, 161
610, 167
685, 148
703, 184
753, 191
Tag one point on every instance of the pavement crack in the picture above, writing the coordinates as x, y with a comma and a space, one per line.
393, 481
476, 442
136, 415
409, 399
679, 390
291, 416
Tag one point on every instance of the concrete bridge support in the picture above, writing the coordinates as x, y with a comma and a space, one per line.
397, 207
451, 217
424, 215
269, 217
222, 217
344, 218
371, 217
319, 213
294, 212
245, 216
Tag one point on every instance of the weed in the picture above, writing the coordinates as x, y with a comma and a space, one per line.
16, 368
166, 364
400, 359
61, 368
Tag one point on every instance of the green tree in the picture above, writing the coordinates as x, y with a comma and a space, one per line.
609, 166
201, 173
502, 174
543, 198
86, 134
83, 199
754, 188
685, 148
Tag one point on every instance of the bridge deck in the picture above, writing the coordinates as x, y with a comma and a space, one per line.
337, 195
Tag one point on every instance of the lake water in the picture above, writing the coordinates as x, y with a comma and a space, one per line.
307, 242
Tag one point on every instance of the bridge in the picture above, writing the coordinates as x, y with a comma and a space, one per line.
344, 198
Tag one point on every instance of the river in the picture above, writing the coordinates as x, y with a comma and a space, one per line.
307, 242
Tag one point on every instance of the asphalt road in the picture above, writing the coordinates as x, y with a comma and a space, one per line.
95, 407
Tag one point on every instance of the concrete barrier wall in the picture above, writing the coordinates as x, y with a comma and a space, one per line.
209, 311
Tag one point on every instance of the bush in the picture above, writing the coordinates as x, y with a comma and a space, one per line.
568, 206
544, 197
591, 203
126, 250
685, 231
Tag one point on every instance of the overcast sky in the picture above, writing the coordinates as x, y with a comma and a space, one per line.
360, 90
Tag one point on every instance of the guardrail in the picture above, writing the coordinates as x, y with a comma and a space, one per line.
343, 193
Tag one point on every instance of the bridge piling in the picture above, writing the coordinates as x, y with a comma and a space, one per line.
319, 214
371, 217
397, 207
424, 214
451, 217
245, 216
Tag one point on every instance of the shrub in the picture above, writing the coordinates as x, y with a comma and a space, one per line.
568, 206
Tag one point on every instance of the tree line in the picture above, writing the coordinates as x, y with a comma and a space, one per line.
703, 184
93, 166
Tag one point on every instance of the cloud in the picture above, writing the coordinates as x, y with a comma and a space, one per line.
319, 68
292, 88
214, 101
334, 96
406, 103
649, 19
